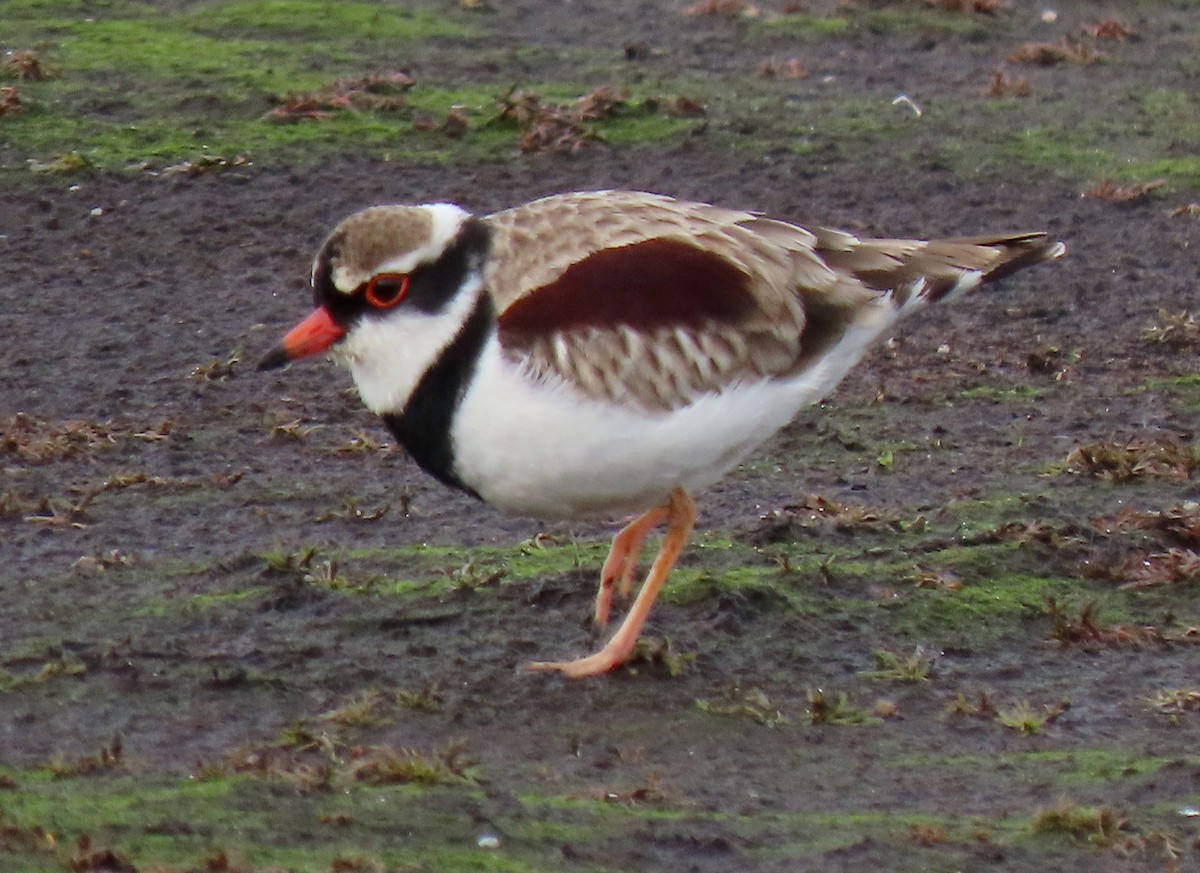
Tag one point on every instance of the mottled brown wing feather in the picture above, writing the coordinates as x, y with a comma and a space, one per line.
635, 297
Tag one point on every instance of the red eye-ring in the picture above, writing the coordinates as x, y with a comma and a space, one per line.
386, 290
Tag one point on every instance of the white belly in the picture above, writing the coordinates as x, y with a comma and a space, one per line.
547, 450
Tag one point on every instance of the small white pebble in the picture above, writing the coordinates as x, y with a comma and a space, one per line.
1049, 16
97, 212
488, 841
1190, 812
943, 349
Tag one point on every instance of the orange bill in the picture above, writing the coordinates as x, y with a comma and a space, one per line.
314, 335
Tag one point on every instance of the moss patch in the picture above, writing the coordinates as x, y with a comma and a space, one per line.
140, 85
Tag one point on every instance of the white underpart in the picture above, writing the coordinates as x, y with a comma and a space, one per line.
545, 449
915, 296
969, 280
388, 356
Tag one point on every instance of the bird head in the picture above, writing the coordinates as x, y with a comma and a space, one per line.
389, 288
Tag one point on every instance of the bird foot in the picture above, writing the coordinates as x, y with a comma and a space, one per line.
608, 658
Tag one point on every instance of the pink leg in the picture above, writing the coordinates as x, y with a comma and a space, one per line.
622, 559
681, 518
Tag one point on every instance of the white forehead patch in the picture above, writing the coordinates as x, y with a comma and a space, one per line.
346, 279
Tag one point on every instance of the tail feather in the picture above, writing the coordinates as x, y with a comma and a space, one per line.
1020, 252
936, 270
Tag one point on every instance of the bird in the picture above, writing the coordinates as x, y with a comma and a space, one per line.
611, 353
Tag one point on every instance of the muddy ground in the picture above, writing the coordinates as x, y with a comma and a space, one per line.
160, 503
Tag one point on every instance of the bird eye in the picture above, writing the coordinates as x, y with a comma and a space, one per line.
386, 290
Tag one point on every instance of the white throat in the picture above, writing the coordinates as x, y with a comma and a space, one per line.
388, 356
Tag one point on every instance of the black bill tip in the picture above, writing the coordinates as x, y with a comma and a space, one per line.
274, 359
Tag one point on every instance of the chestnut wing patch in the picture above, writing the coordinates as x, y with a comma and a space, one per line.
658, 323
658, 283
